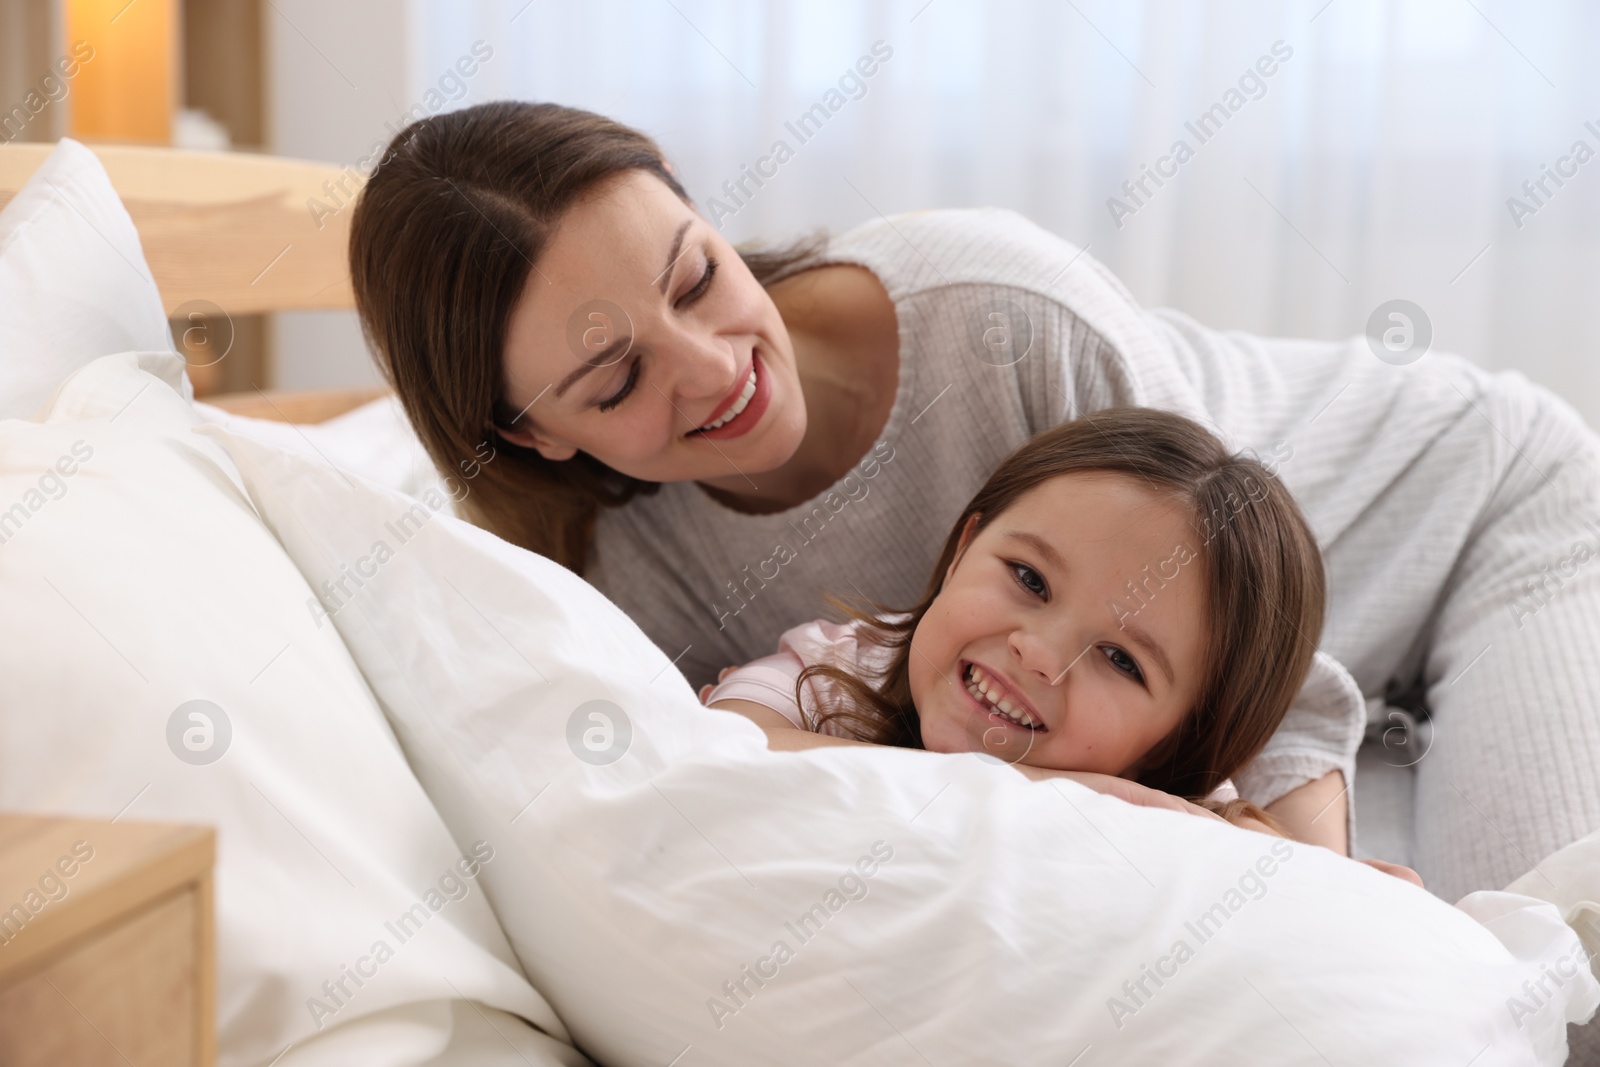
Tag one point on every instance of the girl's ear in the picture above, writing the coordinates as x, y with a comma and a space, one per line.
551, 450
968, 529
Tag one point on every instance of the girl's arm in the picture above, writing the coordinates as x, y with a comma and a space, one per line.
784, 736
1315, 813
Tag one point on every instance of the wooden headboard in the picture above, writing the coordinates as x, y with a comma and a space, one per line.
228, 227
235, 229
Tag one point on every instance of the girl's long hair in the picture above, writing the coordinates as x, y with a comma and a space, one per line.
442, 241
1263, 592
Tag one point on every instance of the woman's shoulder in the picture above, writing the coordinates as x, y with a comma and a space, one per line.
923, 250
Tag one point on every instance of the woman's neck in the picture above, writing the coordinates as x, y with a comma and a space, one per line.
846, 341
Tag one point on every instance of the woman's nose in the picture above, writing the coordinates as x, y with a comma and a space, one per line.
706, 368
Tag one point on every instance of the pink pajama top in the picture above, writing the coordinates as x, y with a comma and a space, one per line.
770, 681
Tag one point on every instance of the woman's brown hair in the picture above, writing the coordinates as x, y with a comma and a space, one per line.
1263, 582
442, 241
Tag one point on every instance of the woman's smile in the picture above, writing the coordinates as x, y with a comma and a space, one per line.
709, 356
741, 410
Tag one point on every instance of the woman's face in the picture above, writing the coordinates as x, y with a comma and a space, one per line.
1036, 611
642, 339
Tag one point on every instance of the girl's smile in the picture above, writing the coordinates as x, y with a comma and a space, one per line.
1024, 655
995, 698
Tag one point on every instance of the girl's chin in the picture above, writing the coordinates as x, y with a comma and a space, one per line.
943, 739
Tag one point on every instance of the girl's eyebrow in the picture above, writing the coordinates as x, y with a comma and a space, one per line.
1039, 545
1137, 634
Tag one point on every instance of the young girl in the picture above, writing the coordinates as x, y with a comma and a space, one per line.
1123, 596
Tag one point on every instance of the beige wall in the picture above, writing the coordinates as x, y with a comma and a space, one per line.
336, 73
29, 36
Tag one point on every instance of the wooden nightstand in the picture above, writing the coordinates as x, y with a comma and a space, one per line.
106, 949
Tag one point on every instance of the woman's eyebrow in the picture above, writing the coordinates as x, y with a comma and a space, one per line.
618, 348
604, 358
673, 255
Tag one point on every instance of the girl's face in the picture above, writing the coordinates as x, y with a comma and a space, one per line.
642, 339
1035, 650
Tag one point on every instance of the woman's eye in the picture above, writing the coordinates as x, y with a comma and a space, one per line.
1029, 579
627, 387
1124, 663
700, 286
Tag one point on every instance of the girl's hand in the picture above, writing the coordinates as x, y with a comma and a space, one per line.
705, 690
1405, 874
1246, 822
1123, 789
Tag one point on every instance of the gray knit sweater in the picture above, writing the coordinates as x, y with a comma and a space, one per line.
716, 587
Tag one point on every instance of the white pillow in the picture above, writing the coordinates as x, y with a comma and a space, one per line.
375, 441
137, 579
74, 285
660, 864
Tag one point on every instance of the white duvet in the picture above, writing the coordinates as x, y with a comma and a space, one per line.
683, 896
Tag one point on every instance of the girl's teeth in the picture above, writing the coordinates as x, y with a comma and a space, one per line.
979, 687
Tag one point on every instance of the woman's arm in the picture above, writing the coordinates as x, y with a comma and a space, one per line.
1315, 813
784, 736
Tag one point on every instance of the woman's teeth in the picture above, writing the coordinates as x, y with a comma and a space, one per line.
988, 693
738, 405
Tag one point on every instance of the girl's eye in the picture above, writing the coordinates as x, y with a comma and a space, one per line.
1124, 663
700, 286
627, 387
1029, 579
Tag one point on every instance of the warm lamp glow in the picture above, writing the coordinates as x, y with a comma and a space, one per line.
130, 91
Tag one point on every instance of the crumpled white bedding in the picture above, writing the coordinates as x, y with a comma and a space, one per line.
699, 894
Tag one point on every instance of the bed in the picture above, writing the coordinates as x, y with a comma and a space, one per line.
232, 230
412, 757
210, 221
208, 224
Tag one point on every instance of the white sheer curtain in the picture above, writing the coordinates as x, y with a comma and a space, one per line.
1375, 162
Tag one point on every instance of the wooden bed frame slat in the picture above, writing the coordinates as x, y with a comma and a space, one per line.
231, 228
319, 406
237, 230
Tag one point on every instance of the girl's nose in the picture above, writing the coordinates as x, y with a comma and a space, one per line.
1043, 653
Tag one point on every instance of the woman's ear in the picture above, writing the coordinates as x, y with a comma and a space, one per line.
551, 450
968, 529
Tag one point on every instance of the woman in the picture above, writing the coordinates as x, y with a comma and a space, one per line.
717, 440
